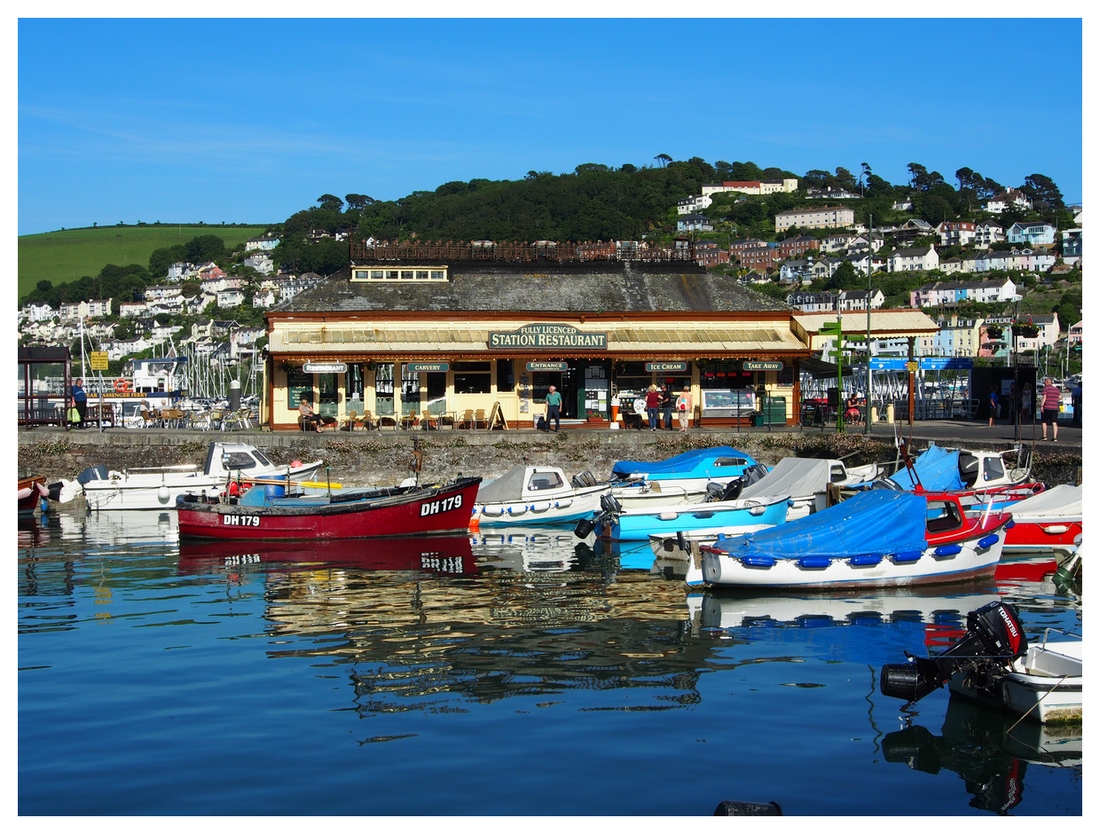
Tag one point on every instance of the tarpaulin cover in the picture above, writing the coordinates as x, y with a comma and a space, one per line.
508, 487
1059, 503
700, 463
879, 522
937, 468
796, 477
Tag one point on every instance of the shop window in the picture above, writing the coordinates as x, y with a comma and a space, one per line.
472, 377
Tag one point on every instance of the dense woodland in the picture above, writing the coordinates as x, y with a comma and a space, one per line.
594, 202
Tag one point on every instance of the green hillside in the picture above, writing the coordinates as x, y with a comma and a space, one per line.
61, 257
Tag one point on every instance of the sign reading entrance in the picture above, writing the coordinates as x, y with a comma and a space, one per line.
762, 366
549, 367
666, 367
428, 367
546, 337
325, 368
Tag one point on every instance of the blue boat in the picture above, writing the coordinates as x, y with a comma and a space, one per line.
733, 516
690, 471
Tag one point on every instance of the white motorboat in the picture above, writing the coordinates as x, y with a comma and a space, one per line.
536, 496
156, 488
1044, 684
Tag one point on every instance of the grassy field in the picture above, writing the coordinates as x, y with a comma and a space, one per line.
60, 257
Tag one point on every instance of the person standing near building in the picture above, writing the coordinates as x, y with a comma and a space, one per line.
1052, 397
993, 405
1077, 406
653, 406
1027, 405
80, 401
553, 408
683, 407
666, 407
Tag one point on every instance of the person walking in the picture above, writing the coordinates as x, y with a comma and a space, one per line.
993, 405
553, 408
653, 406
683, 407
1052, 397
80, 401
666, 407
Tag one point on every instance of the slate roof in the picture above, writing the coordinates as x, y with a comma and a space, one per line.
627, 287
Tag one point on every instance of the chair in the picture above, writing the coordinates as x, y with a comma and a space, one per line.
368, 422
429, 421
147, 418
467, 421
481, 417
351, 420
410, 420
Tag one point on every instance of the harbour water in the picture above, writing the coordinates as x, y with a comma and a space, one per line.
527, 673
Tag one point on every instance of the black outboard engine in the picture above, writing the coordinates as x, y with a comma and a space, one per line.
733, 489
610, 506
993, 636
754, 473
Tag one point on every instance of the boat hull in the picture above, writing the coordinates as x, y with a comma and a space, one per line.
31, 492
423, 511
567, 507
730, 516
1044, 686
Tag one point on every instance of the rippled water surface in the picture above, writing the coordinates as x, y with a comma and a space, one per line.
519, 674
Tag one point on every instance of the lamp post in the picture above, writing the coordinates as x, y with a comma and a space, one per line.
1016, 370
870, 254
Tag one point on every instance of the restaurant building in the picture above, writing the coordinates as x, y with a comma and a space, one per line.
474, 335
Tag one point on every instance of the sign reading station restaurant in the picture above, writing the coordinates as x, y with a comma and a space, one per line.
546, 337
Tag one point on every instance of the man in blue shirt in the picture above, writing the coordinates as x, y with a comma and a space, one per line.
553, 408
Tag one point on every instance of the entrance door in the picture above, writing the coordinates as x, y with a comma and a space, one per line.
328, 397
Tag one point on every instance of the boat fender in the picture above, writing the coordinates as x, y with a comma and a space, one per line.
163, 494
758, 561
1055, 529
1012, 523
988, 541
585, 526
813, 562
865, 560
947, 550
910, 555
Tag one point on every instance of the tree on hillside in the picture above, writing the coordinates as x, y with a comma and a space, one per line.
1043, 192
331, 202
205, 248
663, 159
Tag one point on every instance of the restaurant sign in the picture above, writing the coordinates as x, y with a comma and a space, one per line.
550, 367
546, 337
325, 367
749, 365
666, 367
427, 367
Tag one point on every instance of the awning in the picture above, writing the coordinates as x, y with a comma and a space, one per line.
819, 369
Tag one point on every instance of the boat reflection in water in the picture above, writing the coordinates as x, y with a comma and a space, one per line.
438, 555
991, 751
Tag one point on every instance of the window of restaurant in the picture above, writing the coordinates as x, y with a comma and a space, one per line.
383, 389
724, 374
472, 377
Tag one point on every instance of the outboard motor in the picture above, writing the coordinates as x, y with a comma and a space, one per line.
754, 473
609, 505
733, 489
713, 492
994, 637
584, 479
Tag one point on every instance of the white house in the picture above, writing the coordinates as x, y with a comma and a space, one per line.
913, 258
1031, 234
37, 312
851, 301
956, 233
263, 243
823, 217
986, 233
230, 298
999, 203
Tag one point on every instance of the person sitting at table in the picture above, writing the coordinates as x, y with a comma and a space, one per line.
308, 419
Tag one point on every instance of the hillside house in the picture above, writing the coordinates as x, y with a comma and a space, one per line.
823, 217
913, 259
1031, 234
986, 233
1011, 198
956, 233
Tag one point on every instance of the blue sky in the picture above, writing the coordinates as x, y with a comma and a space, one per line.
251, 120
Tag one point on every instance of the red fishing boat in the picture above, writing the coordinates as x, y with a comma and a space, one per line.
268, 513
31, 491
